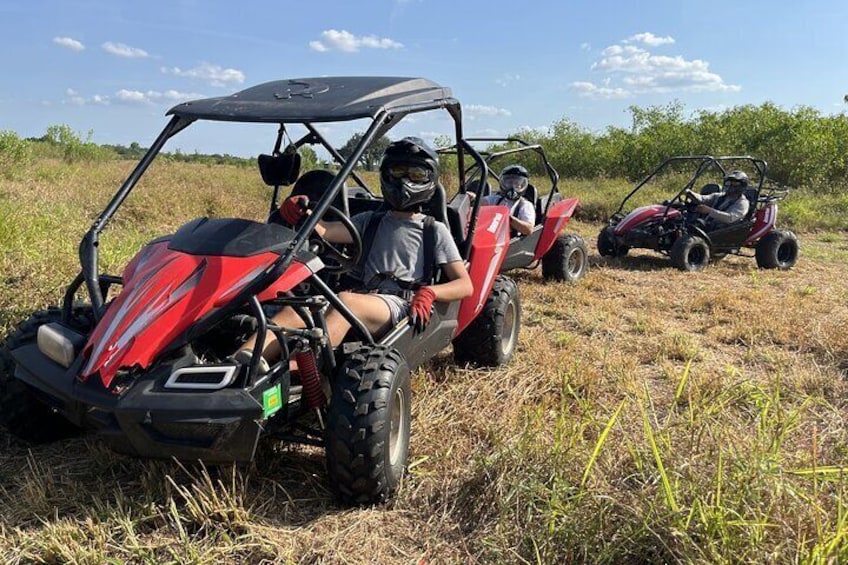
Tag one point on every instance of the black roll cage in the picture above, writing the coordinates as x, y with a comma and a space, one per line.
706, 163
489, 156
383, 120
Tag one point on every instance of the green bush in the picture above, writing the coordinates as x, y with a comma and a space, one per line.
73, 148
14, 152
802, 147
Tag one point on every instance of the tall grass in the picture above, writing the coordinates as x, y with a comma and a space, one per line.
649, 416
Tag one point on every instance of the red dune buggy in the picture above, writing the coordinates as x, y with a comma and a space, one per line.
675, 229
145, 362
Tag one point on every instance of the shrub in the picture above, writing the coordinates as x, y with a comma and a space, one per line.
14, 152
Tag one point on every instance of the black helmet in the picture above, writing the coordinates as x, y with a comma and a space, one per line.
514, 180
409, 172
735, 182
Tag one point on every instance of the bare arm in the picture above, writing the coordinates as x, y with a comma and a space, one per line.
522, 227
459, 286
334, 232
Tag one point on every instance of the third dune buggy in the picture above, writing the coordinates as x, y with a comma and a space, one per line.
673, 227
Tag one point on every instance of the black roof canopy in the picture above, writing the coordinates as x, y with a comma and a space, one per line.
323, 99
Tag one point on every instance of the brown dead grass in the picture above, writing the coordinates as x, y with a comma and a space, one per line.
511, 465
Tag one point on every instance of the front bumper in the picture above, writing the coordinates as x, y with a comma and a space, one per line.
149, 421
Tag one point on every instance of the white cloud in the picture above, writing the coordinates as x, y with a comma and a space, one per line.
213, 74
644, 72
76, 99
474, 111
592, 90
486, 132
131, 97
153, 96
585, 47
649, 39
122, 50
68, 43
343, 40
507, 78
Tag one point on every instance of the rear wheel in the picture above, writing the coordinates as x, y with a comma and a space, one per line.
22, 412
777, 250
567, 260
490, 340
608, 246
367, 435
690, 253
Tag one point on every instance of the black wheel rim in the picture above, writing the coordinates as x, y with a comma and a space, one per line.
785, 253
697, 256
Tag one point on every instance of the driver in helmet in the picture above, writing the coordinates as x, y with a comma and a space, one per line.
514, 180
391, 285
728, 206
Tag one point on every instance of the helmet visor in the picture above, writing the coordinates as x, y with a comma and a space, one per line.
515, 183
415, 173
733, 183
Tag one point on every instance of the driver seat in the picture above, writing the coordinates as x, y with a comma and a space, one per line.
315, 183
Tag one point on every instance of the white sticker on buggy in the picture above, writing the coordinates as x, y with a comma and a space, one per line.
496, 222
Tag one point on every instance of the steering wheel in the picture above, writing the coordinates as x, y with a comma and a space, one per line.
344, 260
689, 201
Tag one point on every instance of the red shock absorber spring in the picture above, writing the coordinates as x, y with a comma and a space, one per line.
310, 379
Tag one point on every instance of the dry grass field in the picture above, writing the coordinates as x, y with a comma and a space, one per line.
649, 416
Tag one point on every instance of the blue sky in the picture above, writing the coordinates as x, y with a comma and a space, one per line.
115, 67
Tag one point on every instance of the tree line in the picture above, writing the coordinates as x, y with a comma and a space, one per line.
803, 147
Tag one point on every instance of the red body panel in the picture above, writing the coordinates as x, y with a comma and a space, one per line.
643, 214
488, 250
164, 293
763, 223
555, 222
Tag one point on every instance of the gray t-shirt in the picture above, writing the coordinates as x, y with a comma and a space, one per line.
398, 249
726, 210
524, 211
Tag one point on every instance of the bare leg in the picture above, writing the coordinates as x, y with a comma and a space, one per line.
372, 310
286, 318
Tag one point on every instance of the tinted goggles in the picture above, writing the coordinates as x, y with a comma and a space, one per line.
415, 173
514, 182
733, 182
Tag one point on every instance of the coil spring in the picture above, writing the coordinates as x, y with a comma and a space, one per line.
310, 379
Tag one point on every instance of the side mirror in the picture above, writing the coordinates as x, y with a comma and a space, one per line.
280, 169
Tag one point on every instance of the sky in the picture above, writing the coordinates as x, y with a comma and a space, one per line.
114, 68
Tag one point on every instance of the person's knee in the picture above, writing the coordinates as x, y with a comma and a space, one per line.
348, 298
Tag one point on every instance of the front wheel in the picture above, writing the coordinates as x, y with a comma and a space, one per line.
367, 435
22, 412
567, 260
608, 246
490, 340
777, 250
690, 253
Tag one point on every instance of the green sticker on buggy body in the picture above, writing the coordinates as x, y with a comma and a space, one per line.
272, 401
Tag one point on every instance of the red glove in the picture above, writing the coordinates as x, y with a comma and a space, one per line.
293, 208
421, 307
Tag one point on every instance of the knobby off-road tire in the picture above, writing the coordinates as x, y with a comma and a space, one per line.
22, 413
367, 435
567, 260
607, 245
490, 340
777, 250
690, 253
